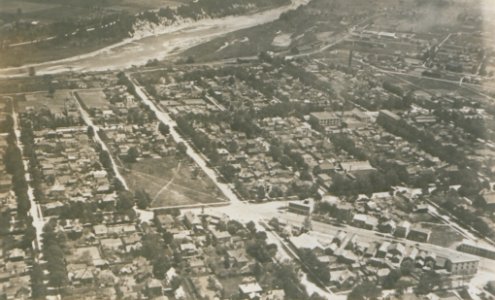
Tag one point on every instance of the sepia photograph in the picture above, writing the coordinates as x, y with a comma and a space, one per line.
247, 149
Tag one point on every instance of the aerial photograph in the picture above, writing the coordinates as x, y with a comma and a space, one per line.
247, 149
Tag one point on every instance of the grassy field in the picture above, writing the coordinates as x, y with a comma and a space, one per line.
241, 43
40, 100
442, 234
94, 98
11, 6
57, 10
172, 182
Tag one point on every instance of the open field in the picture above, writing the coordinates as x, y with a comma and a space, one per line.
247, 42
11, 6
171, 182
93, 98
40, 100
442, 234
57, 10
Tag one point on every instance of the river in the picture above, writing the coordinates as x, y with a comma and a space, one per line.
160, 44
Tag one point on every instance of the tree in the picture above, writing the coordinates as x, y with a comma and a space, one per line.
153, 246
29, 236
90, 131
286, 277
125, 201
190, 60
160, 266
143, 199
164, 129
364, 291
228, 172
428, 281
407, 267
182, 148
251, 227
391, 279
37, 285
319, 269
51, 89
132, 155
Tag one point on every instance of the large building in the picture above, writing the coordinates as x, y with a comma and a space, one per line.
473, 248
326, 118
303, 207
461, 264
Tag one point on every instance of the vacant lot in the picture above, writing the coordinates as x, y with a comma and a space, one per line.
93, 98
171, 182
38, 100
442, 234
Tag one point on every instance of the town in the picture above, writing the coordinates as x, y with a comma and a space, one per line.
340, 151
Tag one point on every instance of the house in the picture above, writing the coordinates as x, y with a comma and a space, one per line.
382, 274
112, 244
188, 249
308, 241
180, 294
364, 221
170, 275
81, 274
251, 290
100, 230
197, 266
397, 249
371, 250
344, 212
345, 279
357, 168
383, 250
388, 117
191, 220
489, 199
5, 184
16, 254
238, 258
402, 229
154, 288
221, 236
164, 221
388, 226
325, 180
419, 235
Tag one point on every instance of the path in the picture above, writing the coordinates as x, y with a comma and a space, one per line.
168, 183
196, 157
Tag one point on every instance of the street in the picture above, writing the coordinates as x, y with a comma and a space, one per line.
35, 210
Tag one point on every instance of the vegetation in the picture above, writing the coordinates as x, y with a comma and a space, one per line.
53, 253
317, 268
364, 291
